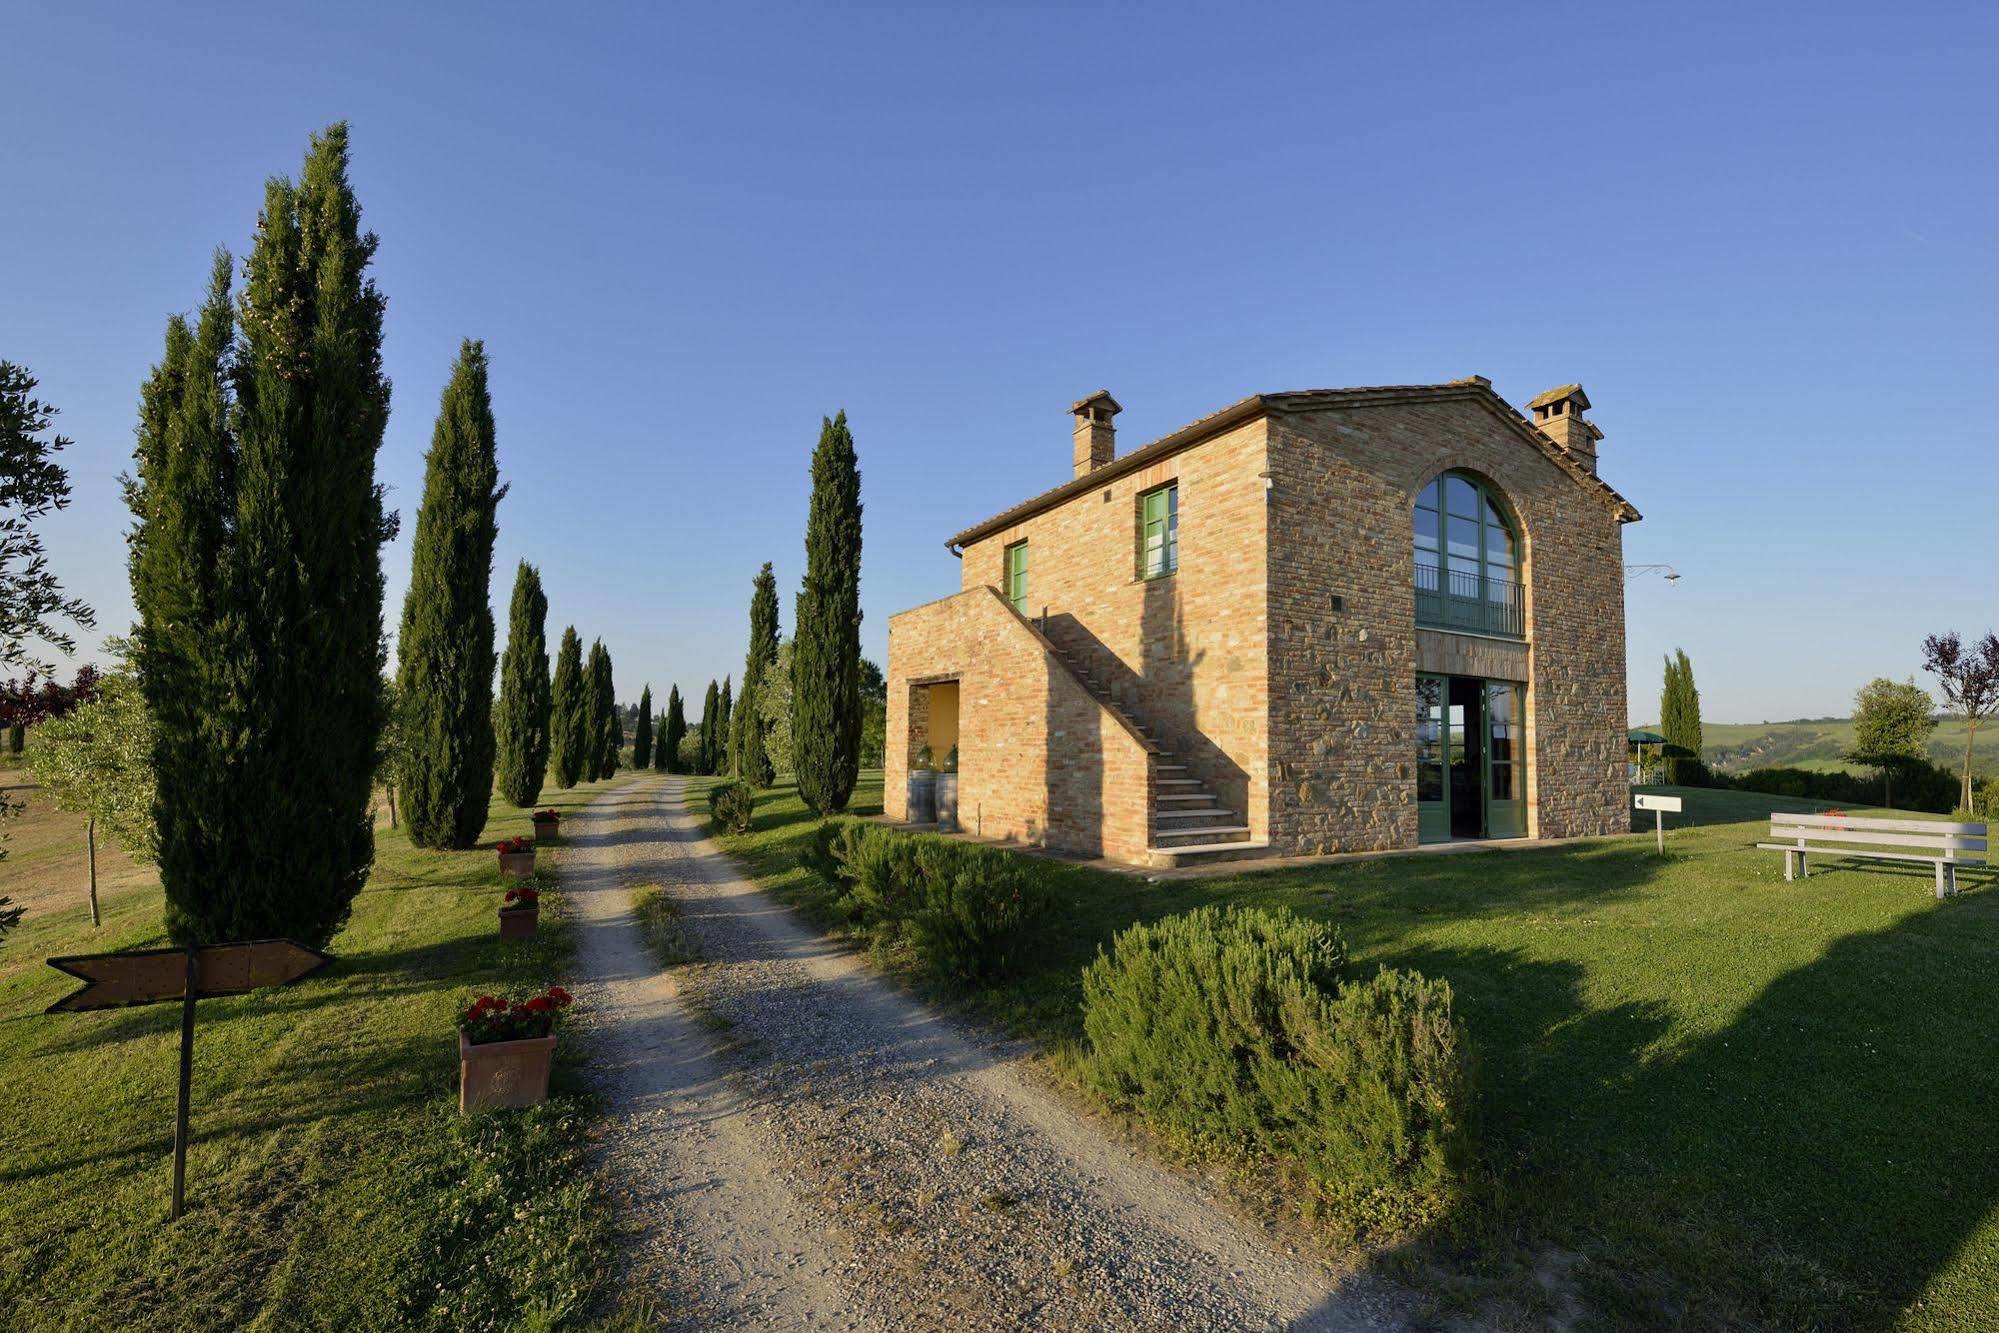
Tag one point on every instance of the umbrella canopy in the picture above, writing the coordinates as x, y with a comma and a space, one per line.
1647, 738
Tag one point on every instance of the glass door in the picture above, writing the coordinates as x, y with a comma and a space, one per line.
1505, 773
1433, 760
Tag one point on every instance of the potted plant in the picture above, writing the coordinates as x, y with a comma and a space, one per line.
546, 824
516, 857
504, 1050
947, 792
520, 914
923, 788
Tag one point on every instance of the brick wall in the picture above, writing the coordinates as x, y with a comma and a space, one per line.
1185, 655
1039, 759
1343, 639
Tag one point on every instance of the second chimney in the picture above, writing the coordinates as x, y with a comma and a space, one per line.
1558, 414
1096, 437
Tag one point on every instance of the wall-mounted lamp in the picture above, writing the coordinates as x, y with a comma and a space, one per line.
1670, 574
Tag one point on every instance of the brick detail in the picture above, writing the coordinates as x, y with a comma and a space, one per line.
1039, 760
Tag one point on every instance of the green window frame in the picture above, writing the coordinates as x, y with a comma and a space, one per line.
1467, 560
1159, 531
1016, 576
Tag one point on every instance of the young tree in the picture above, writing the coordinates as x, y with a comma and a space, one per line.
568, 722
711, 729
597, 721
747, 740
523, 722
675, 731
773, 703
1969, 679
1680, 716
642, 731
96, 761
444, 654
614, 722
826, 654
257, 573
32, 484
874, 715
1892, 719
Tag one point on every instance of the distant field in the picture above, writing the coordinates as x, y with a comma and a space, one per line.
1822, 745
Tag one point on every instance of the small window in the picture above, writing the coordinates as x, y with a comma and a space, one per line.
1159, 532
1016, 576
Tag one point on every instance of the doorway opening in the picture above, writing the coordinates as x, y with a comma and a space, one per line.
1470, 780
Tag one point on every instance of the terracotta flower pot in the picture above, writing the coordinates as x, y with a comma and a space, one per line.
517, 923
545, 829
502, 1074
516, 865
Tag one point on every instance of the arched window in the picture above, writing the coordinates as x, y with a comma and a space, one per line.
1467, 560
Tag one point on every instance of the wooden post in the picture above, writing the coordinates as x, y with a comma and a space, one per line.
1659, 818
91, 835
186, 1085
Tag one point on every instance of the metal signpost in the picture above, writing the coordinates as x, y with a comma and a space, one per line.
197, 972
1659, 805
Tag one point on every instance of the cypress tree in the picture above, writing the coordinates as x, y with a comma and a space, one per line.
614, 722
566, 721
1680, 714
524, 693
750, 741
711, 714
826, 653
642, 732
257, 574
444, 654
725, 754
596, 689
676, 728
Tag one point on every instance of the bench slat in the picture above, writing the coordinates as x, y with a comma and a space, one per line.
1972, 862
1944, 842
1884, 825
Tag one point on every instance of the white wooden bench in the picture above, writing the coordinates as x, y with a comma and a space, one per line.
1945, 846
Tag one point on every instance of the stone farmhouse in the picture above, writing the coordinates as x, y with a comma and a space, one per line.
1312, 622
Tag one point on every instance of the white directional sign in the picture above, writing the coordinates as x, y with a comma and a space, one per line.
1672, 805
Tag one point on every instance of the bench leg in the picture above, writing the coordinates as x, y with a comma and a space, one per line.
1787, 866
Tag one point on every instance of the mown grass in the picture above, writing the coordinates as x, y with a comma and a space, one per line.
331, 1182
1734, 1101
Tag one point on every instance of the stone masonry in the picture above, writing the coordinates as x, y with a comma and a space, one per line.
1279, 663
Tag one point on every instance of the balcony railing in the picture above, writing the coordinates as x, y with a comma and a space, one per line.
1470, 603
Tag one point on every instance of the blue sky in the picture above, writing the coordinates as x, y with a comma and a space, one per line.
1763, 240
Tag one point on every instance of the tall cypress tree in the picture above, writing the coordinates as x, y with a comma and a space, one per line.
567, 721
444, 655
711, 716
749, 741
596, 689
676, 728
642, 732
614, 722
523, 723
257, 574
826, 652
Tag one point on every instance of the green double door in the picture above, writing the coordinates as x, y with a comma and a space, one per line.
1470, 768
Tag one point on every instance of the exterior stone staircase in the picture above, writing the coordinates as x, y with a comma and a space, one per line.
1189, 824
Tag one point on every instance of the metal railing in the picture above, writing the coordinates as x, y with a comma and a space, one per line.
1466, 601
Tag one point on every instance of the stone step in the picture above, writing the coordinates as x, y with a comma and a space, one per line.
1168, 858
1208, 813
1186, 796
1217, 833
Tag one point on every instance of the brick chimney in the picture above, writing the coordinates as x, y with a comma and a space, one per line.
1558, 414
1096, 438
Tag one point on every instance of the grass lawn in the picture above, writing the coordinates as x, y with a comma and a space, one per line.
331, 1182
1736, 1100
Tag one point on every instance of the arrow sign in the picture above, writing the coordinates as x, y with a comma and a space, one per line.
197, 972
154, 976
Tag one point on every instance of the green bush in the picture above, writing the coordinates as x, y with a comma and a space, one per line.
1231, 1030
978, 906
732, 804
965, 909
1912, 784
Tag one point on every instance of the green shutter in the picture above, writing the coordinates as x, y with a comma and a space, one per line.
1016, 576
1159, 532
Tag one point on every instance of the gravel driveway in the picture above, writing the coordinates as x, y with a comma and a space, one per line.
801, 1145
